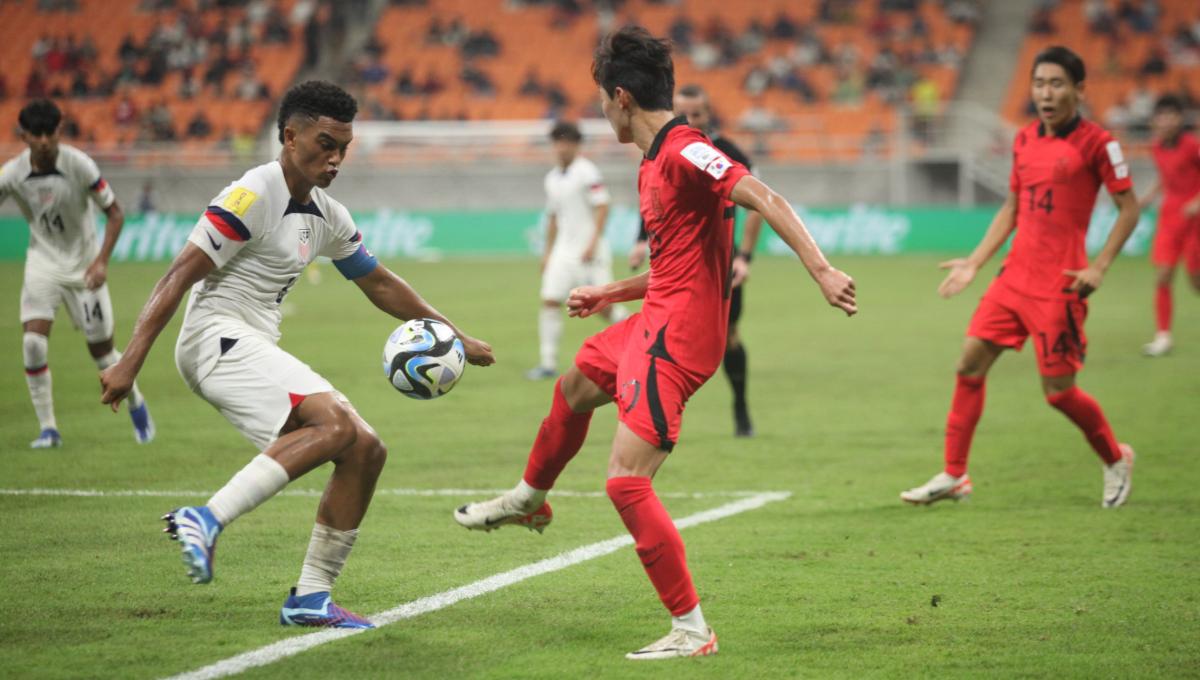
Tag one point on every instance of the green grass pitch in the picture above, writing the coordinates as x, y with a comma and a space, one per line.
1031, 577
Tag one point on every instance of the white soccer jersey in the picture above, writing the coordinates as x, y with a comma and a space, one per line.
57, 203
571, 196
260, 240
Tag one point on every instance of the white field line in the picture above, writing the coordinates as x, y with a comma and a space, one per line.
465, 493
294, 645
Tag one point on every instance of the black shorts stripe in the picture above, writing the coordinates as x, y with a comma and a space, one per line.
1075, 333
654, 403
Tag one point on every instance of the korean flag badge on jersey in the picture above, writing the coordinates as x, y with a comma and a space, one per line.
706, 158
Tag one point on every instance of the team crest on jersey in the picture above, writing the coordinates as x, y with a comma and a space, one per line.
305, 234
45, 195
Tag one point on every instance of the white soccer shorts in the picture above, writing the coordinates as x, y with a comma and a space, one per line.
563, 274
90, 310
255, 385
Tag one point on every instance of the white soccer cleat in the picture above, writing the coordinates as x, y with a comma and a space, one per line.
501, 510
1118, 479
678, 644
48, 439
941, 487
1159, 346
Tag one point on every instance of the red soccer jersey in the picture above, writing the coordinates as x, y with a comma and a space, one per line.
1178, 170
1055, 180
684, 185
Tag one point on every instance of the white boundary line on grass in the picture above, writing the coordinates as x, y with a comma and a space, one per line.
294, 645
157, 493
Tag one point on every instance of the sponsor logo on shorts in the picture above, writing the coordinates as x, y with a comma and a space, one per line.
630, 392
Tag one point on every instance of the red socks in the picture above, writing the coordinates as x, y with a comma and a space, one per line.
559, 439
658, 543
965, 409
1163, 308
1083, 410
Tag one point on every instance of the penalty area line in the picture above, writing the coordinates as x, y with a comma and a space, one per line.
312, 493
294, 645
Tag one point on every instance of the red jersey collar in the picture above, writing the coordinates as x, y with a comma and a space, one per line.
1064, 131
662, 136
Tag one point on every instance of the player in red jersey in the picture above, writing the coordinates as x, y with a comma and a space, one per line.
1177, 155
1041, 292
652, 362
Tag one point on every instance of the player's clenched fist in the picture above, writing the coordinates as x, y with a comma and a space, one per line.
586, 301
838, 289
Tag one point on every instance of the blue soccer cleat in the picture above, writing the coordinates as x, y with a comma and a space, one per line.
143, 424
317, 610
48, 439
196, 529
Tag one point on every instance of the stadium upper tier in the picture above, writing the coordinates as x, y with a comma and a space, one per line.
126, 72
1134, 51
207, 72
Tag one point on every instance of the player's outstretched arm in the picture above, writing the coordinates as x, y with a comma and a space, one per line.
588, 300
836, 286
393, 295
964, 269
191, 265
97, 272
1087, 280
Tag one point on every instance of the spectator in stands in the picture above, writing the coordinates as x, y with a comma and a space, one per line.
926, 99
480, 44
1140, 104
249, 87
406, 85
850, 86
681, 32
432, 84
160, 123
794, 81
275, 26
556, 100
532, 85
1042, 22
125, 113
35, 82
477, 82
40, 47
79, 84
1099, 19
965, 12
199, 127
218, 69
370, 69
1141, 16
1155, 64
146, 203
751, 40
784, 28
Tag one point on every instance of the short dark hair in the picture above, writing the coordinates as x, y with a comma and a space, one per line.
692, 90
1064, 57
565, 129
316, 98
633, 59
40, 117
1169, 102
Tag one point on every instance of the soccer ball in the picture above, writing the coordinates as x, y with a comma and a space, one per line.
423, 359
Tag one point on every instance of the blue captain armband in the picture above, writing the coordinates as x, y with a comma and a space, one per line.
361, 263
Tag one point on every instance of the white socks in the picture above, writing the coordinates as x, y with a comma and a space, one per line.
528, 498
692, 621
327, 553
262, 478
550, 324
35, 349
135, 395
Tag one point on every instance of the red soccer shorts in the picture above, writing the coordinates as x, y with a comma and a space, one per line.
1177, 238
1006, 318
634, 366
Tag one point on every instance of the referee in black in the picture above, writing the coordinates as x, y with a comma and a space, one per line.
691, 101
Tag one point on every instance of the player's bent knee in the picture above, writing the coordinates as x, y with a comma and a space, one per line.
35, 349
1055, 385
370, 450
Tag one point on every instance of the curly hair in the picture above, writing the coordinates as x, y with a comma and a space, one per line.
40, 117
313, 99
633, 59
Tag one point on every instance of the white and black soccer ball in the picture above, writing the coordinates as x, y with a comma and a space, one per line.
423, 359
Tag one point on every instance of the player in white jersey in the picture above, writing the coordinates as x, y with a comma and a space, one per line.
576, 252
55, 185
242, 258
